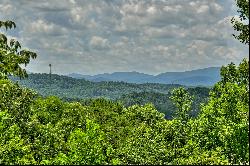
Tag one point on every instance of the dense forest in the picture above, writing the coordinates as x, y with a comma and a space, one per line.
37, 129
81, 90
67, 87
163, 103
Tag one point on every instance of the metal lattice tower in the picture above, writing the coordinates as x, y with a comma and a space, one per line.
50, 71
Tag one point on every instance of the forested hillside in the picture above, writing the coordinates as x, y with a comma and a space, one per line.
70, 89
37, 130
79, 88
41, 130
163, 103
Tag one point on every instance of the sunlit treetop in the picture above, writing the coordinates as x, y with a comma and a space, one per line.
11, 55
241, 26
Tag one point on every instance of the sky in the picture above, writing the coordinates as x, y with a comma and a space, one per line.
105, 36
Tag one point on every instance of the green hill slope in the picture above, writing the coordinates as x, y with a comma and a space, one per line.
71, 89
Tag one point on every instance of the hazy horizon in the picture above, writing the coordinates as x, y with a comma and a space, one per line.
151, 37
65, 74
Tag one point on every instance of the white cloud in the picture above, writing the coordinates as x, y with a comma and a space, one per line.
7, 8
151, 10
203, 9
98, 42
40, 26
172, 8
104, 36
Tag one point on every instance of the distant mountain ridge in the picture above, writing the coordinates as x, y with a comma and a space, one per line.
200, 77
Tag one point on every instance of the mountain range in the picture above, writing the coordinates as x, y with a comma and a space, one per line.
200, 77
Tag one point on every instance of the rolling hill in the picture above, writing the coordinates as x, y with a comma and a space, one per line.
200, 77
71, 89
68, 87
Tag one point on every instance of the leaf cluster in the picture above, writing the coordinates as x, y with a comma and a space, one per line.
11, 55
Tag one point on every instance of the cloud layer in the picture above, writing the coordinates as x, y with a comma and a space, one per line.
150, 36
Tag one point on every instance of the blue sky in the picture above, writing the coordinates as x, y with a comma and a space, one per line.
151, 36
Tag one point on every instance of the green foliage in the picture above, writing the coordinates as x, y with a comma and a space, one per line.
87, 147
16, 100
183, 101
11, 57
223, 122
14, 106
7, 24
201, 157
37, 130
13, 149
241, 26
163, 103
70, 88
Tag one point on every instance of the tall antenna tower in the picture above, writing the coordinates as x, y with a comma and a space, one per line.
50, 72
